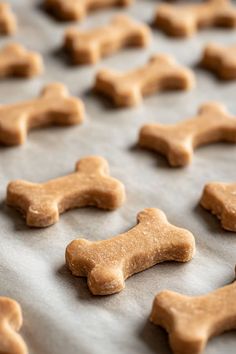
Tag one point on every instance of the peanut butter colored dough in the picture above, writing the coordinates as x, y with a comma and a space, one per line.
191, 321
89, 46
54, 106
220, 60
10, 323
183, 20
177, 141
160, 73
15, 60
220, 199
73, 10
89, 185
108, 263
7, 19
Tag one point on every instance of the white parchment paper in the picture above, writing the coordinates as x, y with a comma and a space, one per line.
60, 314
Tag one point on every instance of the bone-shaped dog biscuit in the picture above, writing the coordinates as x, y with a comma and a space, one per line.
177, 141
184, 20
220, 199
220, 60
54, 106
191, 321
7, 19
87, 47
89, 185
108, 263
10, 323
70, 10
160, 73
15, 60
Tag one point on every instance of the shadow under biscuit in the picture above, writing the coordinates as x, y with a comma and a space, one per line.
160, 160
78, 283
14, 216
61, 55
155, 337
101, 99
221, 340
81, 287
211, 75
211, 221
42, 8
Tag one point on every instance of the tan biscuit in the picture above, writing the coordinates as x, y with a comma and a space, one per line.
89, 185
72, 10
220, 199
108, 263
160, 73
7, 19
10, 323
220, 60
191, 321
184, 20
54, 106
177, 141
15, 60
87, 47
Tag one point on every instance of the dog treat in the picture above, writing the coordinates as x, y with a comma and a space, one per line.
220, 60
160, 73
177, 141
184, 20
7, 19
10, 323
72, 10
87, 47
108, 263
54, 106
89, 185
220, 199
191, 321
15, 60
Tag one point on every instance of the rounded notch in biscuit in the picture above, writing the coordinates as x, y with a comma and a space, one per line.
104, 281
191, 321
8, 22
87, 47
11, 321
54, 106
107, 263
220, 60
183, 20
16, 60
76, 10
177, 141
161, 72
219, 198
89, 185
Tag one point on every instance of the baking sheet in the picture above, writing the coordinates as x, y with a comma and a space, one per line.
60, 314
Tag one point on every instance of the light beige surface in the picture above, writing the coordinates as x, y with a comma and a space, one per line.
89, 185
183, 20
15, 60
220, 60
220, 199
54, 106
161, 73
88, 47
177, 142
10, 323
191, 321
56, 305
108, 263
72, 10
